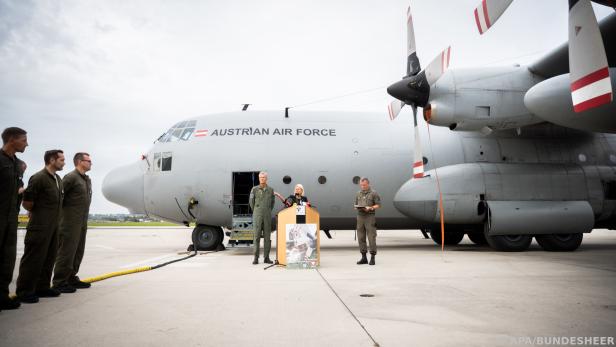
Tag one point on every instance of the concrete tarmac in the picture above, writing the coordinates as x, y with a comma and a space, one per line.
466, 296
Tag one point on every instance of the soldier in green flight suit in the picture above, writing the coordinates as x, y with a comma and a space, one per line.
73, 226
43, 198
367, 201
262, 202
14, 140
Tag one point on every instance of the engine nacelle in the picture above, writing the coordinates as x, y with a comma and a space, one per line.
475, 99
510, 198
551, 100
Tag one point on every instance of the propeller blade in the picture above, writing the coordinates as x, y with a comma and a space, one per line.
394, 109
589, 73
488, 12
412, 62
438, 66
418, 166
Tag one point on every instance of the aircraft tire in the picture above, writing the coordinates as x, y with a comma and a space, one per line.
477, 237
508, 243
206, 237
560, 242
451, 237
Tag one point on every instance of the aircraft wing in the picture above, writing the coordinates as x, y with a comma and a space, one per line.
557, 61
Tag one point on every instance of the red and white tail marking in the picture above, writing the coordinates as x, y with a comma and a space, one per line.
418, 166
200, 133
592, 90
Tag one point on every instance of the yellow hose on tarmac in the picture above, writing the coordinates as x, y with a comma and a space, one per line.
116, 274
136, 270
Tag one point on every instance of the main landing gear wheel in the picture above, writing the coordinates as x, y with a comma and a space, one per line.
207, 238
451, 237
508, 243
560, 242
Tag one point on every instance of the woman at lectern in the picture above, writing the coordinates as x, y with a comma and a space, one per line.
297, 198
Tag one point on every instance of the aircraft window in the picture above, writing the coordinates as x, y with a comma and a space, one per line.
180, 131
356, 180
156, 161
175, 136
164, 137
166, 161
186, 134
424, 160
286, 179
322, 179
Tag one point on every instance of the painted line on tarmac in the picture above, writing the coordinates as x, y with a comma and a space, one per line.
376, 344
104, 247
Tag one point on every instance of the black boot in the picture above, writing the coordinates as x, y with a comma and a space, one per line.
267, 261
10, 304
363, 259
372, 259
256, 261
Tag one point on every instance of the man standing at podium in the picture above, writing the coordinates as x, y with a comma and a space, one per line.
367, 201
261, 203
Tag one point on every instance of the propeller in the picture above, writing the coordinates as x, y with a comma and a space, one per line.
488, 12
414, 88
588, 67
589, 73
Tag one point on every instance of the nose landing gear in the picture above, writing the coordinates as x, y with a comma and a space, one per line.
208, 238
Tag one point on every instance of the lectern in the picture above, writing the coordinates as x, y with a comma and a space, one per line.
298, 239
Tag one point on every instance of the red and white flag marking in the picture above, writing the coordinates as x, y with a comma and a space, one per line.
200, 133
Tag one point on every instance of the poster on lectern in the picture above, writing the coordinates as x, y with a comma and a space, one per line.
302, 250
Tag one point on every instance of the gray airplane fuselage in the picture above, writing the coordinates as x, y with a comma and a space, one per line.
305, 146
340, 146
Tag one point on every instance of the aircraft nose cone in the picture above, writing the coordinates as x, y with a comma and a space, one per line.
124, 186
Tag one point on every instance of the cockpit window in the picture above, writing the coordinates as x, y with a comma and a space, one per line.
179, 132
175, 135
186, 134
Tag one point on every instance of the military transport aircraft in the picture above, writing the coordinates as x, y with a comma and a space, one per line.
506, 173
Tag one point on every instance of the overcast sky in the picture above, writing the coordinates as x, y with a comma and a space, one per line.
109, 76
